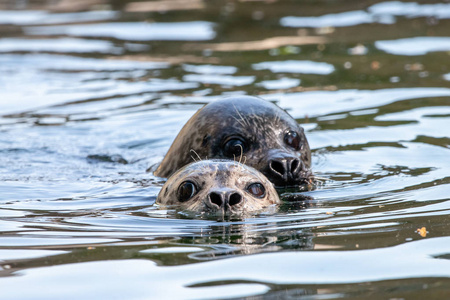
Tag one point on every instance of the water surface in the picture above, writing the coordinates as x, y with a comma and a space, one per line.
94, 92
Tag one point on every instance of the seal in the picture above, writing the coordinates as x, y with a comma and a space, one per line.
267, 137
221, 186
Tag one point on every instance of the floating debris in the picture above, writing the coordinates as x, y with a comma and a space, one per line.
422, 231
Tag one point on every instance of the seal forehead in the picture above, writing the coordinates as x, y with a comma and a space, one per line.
243, 114
198, 169
216, 172
244, 106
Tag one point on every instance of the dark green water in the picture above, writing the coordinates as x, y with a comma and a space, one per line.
92, 93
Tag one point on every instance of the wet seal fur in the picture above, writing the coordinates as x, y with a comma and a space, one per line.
267, 137
220, 186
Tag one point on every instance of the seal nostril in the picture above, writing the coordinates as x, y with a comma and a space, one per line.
235, 198
277, 167
295, 163
216, 199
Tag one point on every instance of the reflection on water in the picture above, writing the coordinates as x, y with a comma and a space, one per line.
40, 17
195, 31
93, 93
291, 66
69, 45
415, 46
384, 13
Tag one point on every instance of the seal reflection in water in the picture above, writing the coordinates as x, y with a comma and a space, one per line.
268, 138
222, 186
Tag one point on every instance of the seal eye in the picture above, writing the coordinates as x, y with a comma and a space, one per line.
234, 147
257, 190
292, 139
186, 191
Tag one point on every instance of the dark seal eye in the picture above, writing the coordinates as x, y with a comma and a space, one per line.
257, 190
292, 139
235, 147
186, 191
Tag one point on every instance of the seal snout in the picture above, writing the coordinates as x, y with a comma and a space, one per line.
224, 199
285, 170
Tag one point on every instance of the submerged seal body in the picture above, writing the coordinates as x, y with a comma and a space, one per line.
218, 186
265, 136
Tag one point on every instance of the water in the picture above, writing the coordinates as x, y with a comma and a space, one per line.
94, 92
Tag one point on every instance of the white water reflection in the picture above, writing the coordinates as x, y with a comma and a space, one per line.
51, 94
282, 83
56, 79
350, 18
21, 241
411, 9
383, 13
44, 62
173, 250
6, 254
140, 278
295, 66
320, 103
429, 127
36, 17
210, 69
147, 280
133, 31
415, 45
62, 45
220, 79
409, 155
416, 114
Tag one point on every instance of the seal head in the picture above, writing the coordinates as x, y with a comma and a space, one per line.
265, 136
222, 186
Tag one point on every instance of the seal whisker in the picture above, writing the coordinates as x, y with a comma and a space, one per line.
242, 153
198, 156
277, 117
243, 163
242, 118
235, 162
321, 178
239, 121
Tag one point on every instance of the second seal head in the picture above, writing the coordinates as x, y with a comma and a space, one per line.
218, 186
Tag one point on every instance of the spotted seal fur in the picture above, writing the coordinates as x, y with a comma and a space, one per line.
222, 186
267, 137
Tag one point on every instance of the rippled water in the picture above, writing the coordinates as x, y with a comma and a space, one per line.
92, 94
